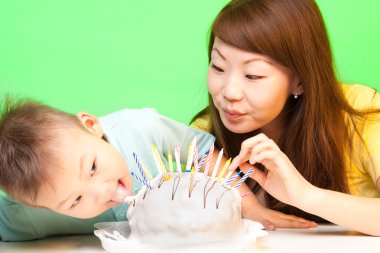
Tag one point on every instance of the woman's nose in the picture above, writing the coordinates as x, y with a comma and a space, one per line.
233, 89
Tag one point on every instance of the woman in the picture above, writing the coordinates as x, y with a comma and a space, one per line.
275, 102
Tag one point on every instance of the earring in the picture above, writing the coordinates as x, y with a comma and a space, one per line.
295, 96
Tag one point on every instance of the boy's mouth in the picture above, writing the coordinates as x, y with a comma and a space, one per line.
122, 193
122, 183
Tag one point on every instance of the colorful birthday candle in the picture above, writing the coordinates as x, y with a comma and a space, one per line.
178, 159
221, 174
170, 158
190, 155
208, 159
202, 161
196, 164
142, 172
216, 167
158, 160
191, 180
229, 181
141, 180
229, 174
146, 171
244, 177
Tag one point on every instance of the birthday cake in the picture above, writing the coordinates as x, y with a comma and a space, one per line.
176, 212
187, 211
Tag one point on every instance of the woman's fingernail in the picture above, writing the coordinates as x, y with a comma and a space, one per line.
232, 165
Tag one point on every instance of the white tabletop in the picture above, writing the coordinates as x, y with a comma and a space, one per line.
325, 238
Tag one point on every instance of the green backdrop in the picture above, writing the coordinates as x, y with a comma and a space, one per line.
103, 55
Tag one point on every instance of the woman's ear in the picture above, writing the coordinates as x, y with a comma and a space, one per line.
91, 123
297, 87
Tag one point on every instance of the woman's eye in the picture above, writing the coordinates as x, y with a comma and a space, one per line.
253, 77
76, 202
93, 169
216, 68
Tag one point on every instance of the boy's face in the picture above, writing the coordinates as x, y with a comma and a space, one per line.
85, 173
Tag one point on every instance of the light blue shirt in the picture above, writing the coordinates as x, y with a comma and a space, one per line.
130, 131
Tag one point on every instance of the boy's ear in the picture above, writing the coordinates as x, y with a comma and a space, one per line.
91, 123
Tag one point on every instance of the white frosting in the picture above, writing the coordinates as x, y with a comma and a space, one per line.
158, 219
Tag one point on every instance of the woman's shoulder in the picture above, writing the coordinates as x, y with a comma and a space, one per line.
361, 96
202, 123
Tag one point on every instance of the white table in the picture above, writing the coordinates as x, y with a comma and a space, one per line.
325, 238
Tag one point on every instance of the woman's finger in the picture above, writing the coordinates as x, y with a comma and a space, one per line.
246, 149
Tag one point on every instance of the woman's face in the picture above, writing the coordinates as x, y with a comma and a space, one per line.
248, 89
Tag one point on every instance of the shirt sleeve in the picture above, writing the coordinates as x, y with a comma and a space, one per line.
19, 222
371, 136
364, 98
173, 134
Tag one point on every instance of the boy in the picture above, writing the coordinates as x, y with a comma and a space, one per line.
63, 165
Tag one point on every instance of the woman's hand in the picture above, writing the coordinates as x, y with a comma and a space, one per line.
282, 179
252, 209
273, 219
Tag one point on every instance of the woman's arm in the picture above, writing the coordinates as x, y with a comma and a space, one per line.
252, 208
284, 182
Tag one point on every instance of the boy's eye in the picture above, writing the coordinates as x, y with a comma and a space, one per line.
216, 68
93, 169
76, 202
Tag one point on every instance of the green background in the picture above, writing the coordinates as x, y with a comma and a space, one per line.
100, 56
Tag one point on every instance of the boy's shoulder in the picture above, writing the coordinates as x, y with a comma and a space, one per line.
133, 116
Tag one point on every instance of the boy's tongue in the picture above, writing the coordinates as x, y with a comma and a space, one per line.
122, 194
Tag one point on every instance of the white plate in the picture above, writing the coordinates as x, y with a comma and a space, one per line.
115, 238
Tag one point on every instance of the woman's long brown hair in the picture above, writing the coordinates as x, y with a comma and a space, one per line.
316, 136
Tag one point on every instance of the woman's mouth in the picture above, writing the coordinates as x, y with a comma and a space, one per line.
233, 115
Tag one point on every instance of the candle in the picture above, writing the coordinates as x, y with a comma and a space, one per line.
221, 174
191, 180
208, 160
146, 171
190, 155
170, 158
202, 161
143, 174
233, 178
216, 167
158, 160
244, 177
178, 159
229, 174
141, 180
196, 164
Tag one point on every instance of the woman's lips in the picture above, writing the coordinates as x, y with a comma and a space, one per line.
233, 115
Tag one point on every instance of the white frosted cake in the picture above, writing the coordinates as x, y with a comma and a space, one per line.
182, 212
172, 214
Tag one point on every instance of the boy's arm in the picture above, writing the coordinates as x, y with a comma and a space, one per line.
19, 222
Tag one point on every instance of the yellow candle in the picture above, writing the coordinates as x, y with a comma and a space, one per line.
221, 174
170, 158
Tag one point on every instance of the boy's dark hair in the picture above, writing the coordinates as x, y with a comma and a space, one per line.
27, 129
